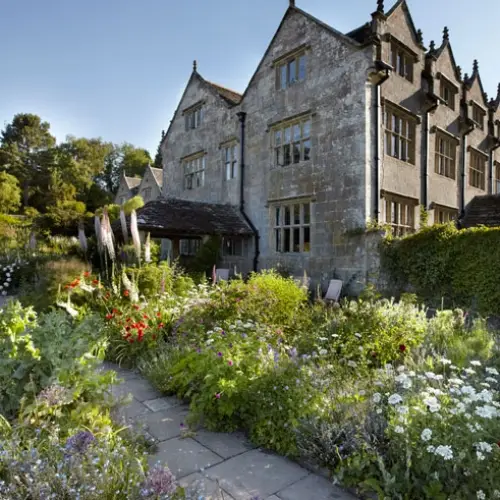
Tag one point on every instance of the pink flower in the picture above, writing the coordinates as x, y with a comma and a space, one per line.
217, 395
230, 363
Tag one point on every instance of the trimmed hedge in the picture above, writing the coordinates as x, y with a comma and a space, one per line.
444, 265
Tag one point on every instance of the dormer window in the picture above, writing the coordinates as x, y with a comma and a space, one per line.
291, 69
193, 117
402, 61
478, 114
447, 92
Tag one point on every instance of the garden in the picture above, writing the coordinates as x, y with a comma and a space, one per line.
393, 401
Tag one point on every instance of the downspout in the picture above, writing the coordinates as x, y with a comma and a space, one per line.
378, 107
242, 117
462, 168
491, 164
425, 172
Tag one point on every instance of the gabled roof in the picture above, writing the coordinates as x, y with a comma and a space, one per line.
436, 53
469, 82
230, 96
482, 211
495, 103
132, 182
157, 174
403, 4
173, 217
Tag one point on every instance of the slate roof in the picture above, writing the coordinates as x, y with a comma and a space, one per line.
158, 175
173, 217
482, 211
230, 96
133, 182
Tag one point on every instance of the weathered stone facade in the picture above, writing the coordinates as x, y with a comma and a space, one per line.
333, 131
148, 187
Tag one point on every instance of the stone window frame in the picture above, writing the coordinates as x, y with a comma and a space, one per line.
298, 144
496, 179
232, 246
402, 132
478, 113
194, 167
477, 168
294, 62
193, 116
445, 157
147, 192
402, 58
399, 213
291, 234
446, 86
230, 158
189, 247
444, 214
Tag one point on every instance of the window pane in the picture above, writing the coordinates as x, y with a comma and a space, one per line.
288, 134
287, 216
283, 76
307, 149
227, 153
307, 213
296, 214
292, 71
287, 157
277, 240
296, 152
302, 67
277, 138
296, 132
279, 156
307, 239
306, 129
278, 216
228, 171
296, 239
286, 240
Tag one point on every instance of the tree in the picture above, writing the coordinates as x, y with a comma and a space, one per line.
10, 193
134, 160
22, 147
158, 163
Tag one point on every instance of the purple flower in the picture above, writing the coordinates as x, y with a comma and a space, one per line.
198, 350
230, 363
182, 424
219, 354
160, 481
217, 395
293, 352
276, 356
230, 345
223, 332
244, 335
54, 395
80, 442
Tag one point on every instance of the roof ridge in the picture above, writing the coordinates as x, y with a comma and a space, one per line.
224, 88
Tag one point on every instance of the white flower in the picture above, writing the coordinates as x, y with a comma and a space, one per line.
322, 352
431, 449
491, 380
445, 361
469, 371
209, 341
323, 339
456, 381
9, 279
379, 411
491, 371
485, 396
475, 363
430, 375
432, 403
362, 392
395, 399
496, 494
426, 435
6, 284
401, 368
485, 384
358, 335
334, 336
480, 495
471, 427
398, 429
486, 411
4, 293
444, 451
468, 389
8, 275
453, 367
403, 409
352, 364
480, 456
483, 446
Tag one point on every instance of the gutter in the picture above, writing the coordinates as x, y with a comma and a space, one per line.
242, 118
463, 154
387, 68
425, 170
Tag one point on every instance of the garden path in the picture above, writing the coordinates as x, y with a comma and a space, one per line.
224, 466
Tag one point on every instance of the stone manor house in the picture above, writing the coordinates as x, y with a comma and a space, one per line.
334, 130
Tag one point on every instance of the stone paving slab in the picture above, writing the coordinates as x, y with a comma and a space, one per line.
165, 424
323, 490
209, 489
139, 388
256, 473
184, 456
163, 403
133, 410
225, 445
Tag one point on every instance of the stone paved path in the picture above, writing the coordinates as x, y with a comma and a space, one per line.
227, 466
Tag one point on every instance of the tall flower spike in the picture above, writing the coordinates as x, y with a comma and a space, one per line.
82, 238
123, 222
135, 235
97, 229
107, 234
147, 249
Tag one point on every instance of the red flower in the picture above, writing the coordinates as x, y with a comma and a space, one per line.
402, 348
161, 325
153, 336
136, 307
86, 274
66, 286
158, 314
127, 328
126, 293
114, 311
109, 316
108, 295
130, 340
95, 282
145, 316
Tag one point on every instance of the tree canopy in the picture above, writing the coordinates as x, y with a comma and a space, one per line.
10, 193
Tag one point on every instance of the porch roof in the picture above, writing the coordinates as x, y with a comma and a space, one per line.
172, 217
482, 211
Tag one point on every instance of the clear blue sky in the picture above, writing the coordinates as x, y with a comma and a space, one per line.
117, 68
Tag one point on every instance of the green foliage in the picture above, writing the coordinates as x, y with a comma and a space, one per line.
10, 193
133, 204
424, 216
445, 265
206, 257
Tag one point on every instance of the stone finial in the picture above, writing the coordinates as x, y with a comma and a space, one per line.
466, 77
195, 65
475, 66
420, 36
446, 34
292, 3
485, 95
459, 71
432, 46
498, 92
380, 6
